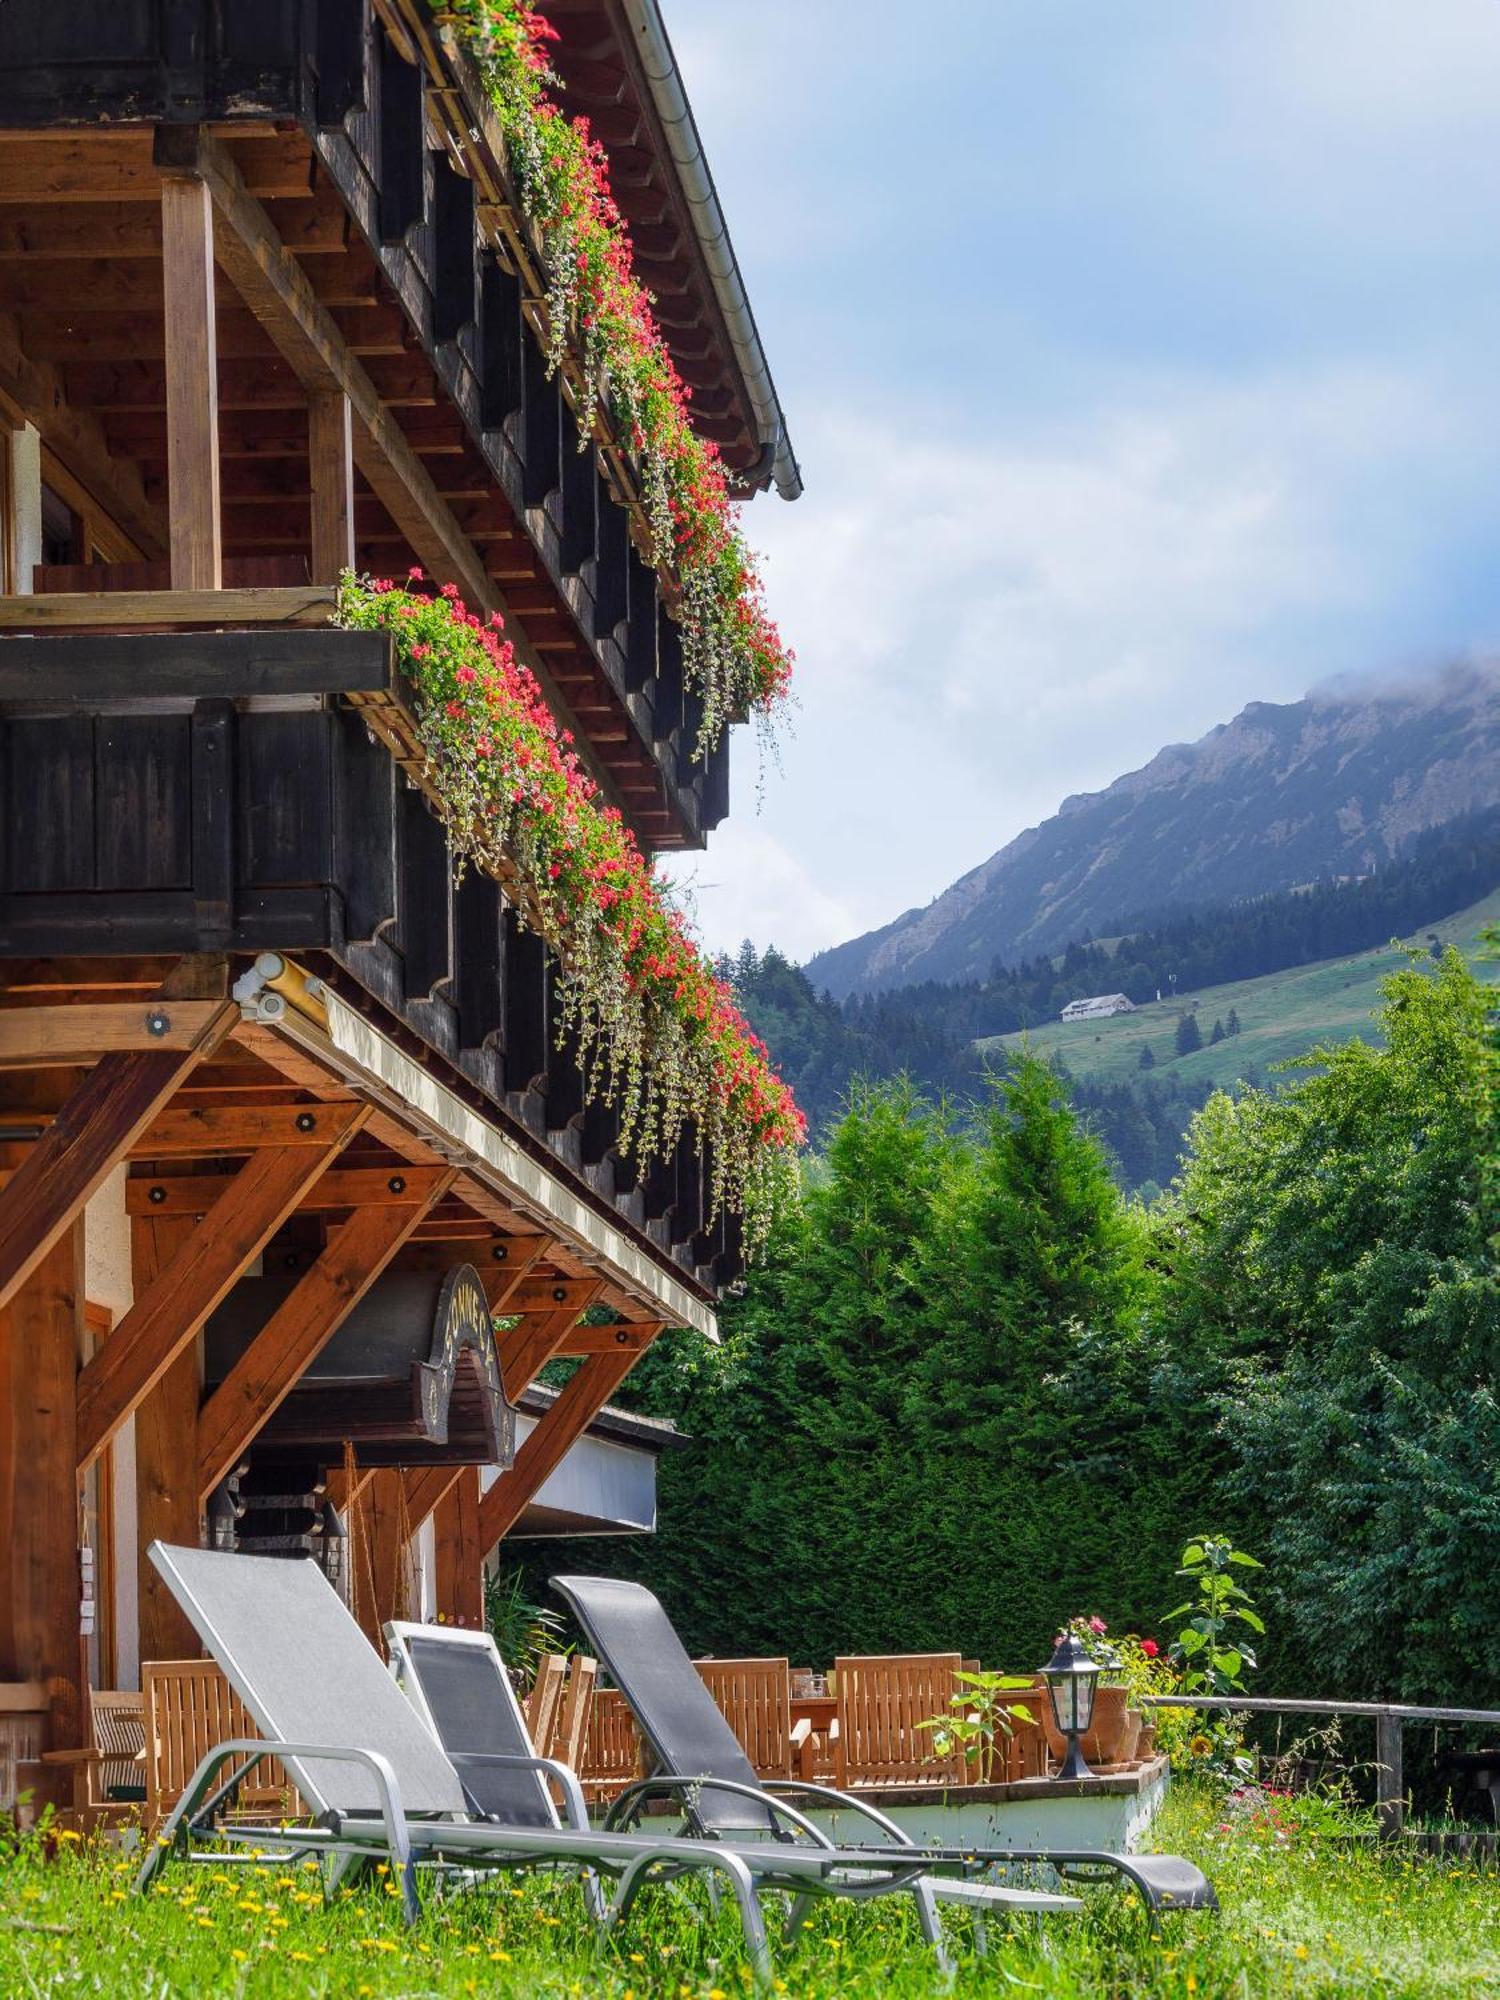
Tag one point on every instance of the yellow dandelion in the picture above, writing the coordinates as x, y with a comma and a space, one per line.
1302, 1951
499, 1958
240, 1955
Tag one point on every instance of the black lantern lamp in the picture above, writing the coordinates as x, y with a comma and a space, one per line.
1072, 1676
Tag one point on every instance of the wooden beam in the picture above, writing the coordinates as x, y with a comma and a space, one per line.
303, 1324
538, 1295
214, 1128
581, 1399
501, 1261
525, 1350
400, 1186
33, 1037
166, 1490
89, 1137
279, 293
50, 611
187, 245
105, 166
35, 388
250, 1209
607, 1340
459, 1559
331, 473
40, 1333
425, 1487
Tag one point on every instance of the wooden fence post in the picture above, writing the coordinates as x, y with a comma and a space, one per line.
1389, 1789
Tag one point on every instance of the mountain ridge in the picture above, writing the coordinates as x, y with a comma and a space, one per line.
1283, 793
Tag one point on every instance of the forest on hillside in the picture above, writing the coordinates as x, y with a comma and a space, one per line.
969, 1342
927, 1032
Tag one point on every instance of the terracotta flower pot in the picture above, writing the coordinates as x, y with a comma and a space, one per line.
1145, 1749
1101, 1743
1130, 1743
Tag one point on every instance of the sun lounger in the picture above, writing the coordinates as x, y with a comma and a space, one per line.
459, 1684
381, 1786
700, 1761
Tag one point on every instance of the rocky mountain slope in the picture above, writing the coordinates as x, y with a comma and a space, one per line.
1283, 794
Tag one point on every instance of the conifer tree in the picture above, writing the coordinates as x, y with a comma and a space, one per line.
1189, 1034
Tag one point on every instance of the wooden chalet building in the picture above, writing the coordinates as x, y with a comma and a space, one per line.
285, 1117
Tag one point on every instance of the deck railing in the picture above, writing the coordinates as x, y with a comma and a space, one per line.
1389, 1718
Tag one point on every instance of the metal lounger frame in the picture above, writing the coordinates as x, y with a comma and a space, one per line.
1164, 1883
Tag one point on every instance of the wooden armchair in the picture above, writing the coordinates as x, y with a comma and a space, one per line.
189, 1708
541, 1705
612, 1756
881, 1699
571, 1724
108, 1773
755, 1699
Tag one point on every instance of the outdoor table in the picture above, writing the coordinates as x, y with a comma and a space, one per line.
817, 1751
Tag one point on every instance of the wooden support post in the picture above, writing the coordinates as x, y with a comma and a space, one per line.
187, 250
168, 1313
303, 1324
1390, 1790
166, 1502
331, 466
581, 1400
380, 1554
460, 1559
87, 1140
40, 1334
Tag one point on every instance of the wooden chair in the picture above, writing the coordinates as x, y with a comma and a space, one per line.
612, 1756
755, 1699
190, 1707
109, 1772
572, 1720
119, 1726
540, 1707
881, 1699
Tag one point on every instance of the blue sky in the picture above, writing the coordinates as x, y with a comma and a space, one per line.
1142, 361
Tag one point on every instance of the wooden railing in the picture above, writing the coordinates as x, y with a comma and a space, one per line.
1389, 1718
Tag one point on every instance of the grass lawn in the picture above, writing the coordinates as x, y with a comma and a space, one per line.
1281, 1015
1310, 1917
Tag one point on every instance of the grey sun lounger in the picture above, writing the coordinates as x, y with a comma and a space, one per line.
459, 1685
700, 1762
381, 1787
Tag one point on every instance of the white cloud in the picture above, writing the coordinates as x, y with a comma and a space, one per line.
749, 885
984, 628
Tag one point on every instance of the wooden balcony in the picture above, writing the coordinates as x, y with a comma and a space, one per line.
180, 791
353, 369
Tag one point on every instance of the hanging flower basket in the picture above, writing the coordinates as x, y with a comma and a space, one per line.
658, 1032
733, 654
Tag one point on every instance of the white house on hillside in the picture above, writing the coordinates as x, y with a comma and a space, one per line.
1098, 1008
